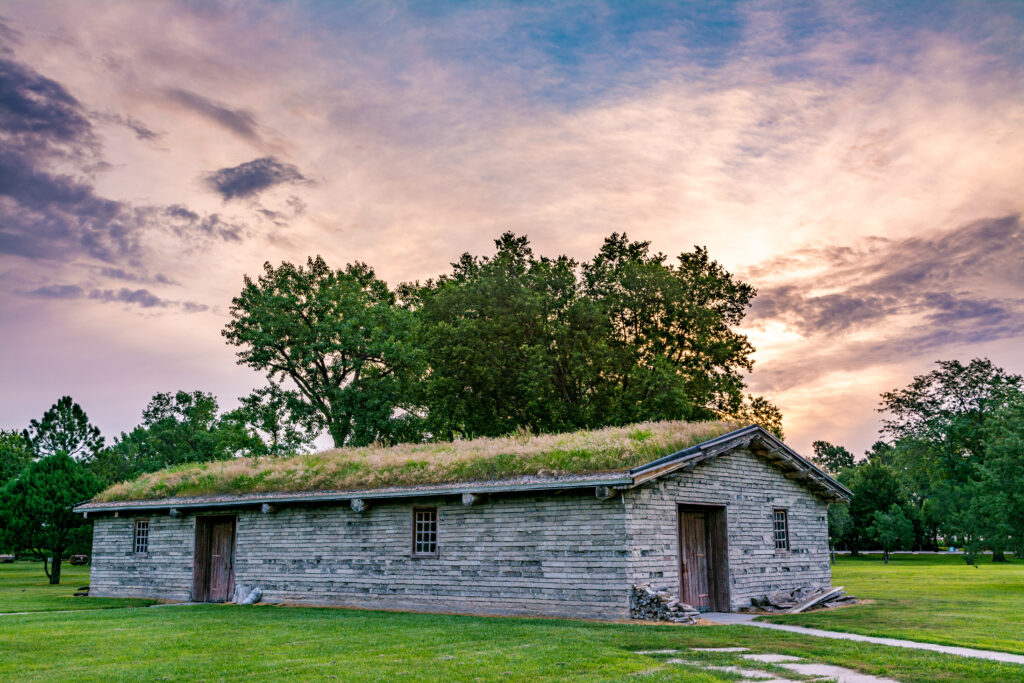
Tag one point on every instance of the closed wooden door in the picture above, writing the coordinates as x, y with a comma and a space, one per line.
693, 559
222, 544
213, 573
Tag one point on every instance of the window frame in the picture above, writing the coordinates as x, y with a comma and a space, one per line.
785, 529
416, 511
135, 537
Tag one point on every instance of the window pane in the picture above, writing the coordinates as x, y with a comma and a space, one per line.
425, 532
781, 530
141, 544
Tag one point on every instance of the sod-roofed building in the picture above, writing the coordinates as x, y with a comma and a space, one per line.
560, 525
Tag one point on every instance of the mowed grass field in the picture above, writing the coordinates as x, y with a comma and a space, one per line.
931, 598
99, 642
25, 588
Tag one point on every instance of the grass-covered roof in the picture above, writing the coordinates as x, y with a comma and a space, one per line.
612, 449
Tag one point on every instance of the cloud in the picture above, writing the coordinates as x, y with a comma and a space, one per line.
140, 297
943, 277
128, 276
59, 292
252, 177
46, 214
137, 297
237, 121
36, 111
55, 216
141, 130
188, 223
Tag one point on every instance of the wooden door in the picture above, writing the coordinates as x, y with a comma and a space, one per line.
213, 573
693, 559
222, 545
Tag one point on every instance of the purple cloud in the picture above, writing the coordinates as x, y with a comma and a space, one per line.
252, 177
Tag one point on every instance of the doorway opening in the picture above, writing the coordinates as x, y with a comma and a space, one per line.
213, 574
704, 557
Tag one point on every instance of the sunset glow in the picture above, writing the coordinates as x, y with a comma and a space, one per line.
862, 165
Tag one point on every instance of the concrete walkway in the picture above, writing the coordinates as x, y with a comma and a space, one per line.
748, 620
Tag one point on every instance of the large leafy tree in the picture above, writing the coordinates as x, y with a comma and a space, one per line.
673, 326
510, 344
519, 341
64, 428
339, 337
35, 509
15, 454
939, 424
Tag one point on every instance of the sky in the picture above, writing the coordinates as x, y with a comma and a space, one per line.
861, 164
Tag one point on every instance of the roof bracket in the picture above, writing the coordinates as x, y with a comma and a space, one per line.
604, 492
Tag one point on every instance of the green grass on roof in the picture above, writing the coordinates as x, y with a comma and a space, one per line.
585, 452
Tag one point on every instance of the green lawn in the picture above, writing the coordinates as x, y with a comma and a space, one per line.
288, 643
932, 598
25, 588
217, 642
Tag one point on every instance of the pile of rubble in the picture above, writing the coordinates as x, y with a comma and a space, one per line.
651, 605
803, 599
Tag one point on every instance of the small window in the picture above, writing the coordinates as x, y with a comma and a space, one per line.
141, 545
781, 530
424, 532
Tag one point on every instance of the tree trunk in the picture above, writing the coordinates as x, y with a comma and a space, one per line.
55, 568
338, 434
885, 555
998, 555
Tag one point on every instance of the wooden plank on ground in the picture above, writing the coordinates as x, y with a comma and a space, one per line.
811, 602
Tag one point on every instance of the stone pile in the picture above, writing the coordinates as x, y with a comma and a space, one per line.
784, 601
651, 605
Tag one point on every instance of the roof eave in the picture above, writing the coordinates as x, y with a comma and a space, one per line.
750, 436
614, 480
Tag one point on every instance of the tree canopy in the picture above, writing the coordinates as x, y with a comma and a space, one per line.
954, 463
338, 336
516, 341
831, 458
65, 428
15, 454
35, 508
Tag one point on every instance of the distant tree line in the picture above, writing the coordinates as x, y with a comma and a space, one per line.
951, 472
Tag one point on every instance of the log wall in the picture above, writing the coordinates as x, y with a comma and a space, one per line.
559, 555
751, 489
